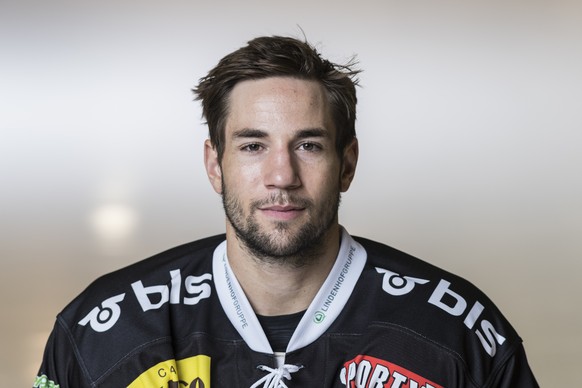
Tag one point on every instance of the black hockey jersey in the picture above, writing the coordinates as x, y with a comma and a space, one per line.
381, 319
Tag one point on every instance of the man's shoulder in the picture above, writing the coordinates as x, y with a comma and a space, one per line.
160, 270
438, 308
406, 275
407, 271
143, 304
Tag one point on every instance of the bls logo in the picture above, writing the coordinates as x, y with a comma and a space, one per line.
103, 319
370, 372
450, 302
397, 285
196, 288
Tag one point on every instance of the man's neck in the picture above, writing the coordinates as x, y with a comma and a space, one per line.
279, 288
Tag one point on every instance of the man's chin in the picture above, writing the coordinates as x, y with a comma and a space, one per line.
285, 248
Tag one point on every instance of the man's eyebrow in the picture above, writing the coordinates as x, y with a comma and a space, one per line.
249, 132
312, 132
301, 134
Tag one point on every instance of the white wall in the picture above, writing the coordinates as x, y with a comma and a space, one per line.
469, 123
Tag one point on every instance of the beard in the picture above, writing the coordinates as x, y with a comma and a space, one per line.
280, 243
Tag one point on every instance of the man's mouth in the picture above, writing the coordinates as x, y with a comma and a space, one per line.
282, 208
282, 212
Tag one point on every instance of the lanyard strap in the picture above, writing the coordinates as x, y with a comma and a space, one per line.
321, 313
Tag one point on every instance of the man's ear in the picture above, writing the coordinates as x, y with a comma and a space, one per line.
212, 165
349, 163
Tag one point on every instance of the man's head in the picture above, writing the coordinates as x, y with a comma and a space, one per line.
276, 56
282, 147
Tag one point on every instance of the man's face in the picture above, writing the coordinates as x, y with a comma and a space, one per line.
280, 175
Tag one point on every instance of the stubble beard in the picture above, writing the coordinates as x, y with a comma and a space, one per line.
280, 244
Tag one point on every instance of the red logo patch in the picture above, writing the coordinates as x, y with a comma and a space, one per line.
371, 372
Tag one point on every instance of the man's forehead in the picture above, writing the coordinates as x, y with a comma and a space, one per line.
278, 101
277, 86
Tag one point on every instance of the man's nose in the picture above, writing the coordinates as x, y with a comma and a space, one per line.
281, 170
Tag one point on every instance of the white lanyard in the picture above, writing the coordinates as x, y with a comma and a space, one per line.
322, 312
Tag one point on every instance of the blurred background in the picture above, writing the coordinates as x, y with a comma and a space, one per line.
469, 122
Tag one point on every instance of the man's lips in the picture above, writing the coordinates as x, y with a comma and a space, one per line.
282, 208
282, 212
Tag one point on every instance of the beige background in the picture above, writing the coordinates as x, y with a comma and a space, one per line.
470, 125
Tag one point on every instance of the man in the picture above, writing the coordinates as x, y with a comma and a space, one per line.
287, 298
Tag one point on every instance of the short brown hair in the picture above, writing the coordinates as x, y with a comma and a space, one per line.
277, 56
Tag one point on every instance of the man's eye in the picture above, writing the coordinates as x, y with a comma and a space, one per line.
253, 147
309, 147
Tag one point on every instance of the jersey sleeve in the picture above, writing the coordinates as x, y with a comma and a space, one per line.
515, 373
60, 366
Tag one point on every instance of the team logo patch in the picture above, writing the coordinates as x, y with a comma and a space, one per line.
43, 381
370, 372
319, 317
193, 372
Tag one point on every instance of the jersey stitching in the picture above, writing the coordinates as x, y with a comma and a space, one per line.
129, 354
455, 354
502, 364
492, 375
76, 351
167, 339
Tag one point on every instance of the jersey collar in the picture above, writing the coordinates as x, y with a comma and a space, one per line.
321, 313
